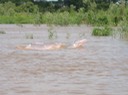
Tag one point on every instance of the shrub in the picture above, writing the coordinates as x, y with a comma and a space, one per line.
102, 31
28, 7
102, 20
7, 9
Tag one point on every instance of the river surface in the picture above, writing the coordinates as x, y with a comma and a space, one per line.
100, 68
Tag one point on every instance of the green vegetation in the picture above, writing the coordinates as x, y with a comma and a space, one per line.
123, 30
105, 31
94, 12
90, 12
51, 33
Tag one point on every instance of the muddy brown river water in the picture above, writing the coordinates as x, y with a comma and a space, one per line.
101, 68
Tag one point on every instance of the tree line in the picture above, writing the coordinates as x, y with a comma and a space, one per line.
94, 12
63, 4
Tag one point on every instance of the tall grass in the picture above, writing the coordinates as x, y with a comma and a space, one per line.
62, 18
52, 34
123, 30
17, 19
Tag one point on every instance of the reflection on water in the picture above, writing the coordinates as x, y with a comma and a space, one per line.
101, 68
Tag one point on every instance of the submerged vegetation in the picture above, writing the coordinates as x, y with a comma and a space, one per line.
122, 31
105, 31
51, 33
29, 36
2, 32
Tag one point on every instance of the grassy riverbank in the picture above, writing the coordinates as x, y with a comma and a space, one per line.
29, 13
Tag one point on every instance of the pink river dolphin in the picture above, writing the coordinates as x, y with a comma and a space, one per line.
55, 46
